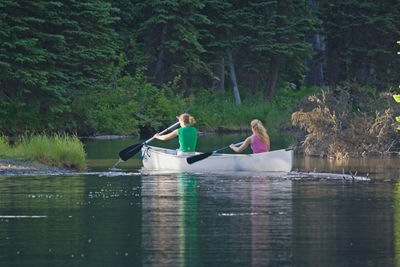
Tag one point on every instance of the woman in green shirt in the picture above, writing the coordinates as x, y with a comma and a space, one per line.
187, 135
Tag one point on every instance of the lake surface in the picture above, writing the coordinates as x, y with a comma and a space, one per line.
123, 218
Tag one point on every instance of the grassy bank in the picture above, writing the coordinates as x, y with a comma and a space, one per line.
58, 150
217, 110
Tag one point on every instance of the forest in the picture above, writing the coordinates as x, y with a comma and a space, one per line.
125, 66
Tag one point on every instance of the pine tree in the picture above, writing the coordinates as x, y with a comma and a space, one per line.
32, 94
51, 53
278, 39
88, 57
265, 39
170, 32
360, 40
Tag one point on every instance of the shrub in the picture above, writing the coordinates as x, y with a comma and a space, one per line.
345, 122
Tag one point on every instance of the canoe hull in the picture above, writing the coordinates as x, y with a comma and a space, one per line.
160, 159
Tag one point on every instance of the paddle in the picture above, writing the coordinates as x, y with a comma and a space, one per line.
132, 150
199, 157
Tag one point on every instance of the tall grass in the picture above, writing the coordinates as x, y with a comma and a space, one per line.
214, 110
58, 150
4, 147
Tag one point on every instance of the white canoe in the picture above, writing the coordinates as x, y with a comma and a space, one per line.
161, 159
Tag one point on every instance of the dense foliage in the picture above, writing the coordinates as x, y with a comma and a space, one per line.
52, 53
361, 41
115, 66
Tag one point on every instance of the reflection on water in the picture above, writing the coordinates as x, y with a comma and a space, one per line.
192, 220
125, 218
169, 231
69, 220
196, 220
187, 235
375, 167
271, 222
343, 225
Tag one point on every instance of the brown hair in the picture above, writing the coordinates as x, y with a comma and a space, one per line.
260, 131
187, 119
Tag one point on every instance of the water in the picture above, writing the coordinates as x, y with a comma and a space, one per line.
119, 217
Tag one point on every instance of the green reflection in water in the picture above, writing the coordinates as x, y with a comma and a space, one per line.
37, 239
187, 212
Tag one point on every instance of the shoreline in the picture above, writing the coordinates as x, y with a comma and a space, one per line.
23, 167
200, 133
14, 167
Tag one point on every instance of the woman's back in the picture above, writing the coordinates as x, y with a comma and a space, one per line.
187, 138
258, 146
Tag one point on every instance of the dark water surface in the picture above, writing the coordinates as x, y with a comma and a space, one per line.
122, 218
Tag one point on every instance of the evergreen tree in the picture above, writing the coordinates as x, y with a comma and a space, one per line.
360, 40
51, 53
170, 32
88, 57
265, 39
32, 91
216, 42
131, 48
278, 30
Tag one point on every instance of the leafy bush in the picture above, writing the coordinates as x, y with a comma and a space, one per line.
156, 108
134, 103
216, 110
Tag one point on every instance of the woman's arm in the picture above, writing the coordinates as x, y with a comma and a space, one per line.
243, 146
166, 136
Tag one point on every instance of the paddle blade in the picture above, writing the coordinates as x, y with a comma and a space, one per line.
199, 157
130, 151
396, 98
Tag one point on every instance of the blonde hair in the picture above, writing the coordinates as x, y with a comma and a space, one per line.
187, 119
260, 131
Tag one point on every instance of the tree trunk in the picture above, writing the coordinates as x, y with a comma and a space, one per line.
233, 79
333, 68
315, 73
187, 84
158, 72
272, 77
366, 72
219, 77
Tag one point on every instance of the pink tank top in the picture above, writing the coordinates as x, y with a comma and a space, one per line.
258, 146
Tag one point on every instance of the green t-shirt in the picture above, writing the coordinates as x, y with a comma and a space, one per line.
187, 138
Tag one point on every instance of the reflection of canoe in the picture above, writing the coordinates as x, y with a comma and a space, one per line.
161, 159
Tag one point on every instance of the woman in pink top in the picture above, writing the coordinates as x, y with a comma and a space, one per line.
259, 140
